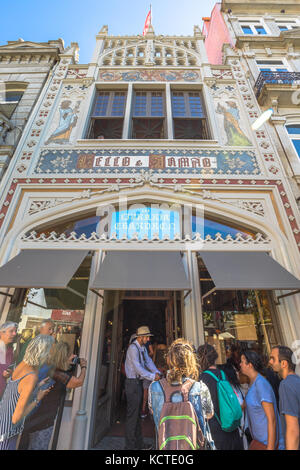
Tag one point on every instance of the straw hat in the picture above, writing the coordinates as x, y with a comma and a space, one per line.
143, 331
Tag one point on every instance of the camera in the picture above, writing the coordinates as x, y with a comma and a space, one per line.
75, 361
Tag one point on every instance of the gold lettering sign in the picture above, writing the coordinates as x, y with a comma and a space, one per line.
156, 162
85, 160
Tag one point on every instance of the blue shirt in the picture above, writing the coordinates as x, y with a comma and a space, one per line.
289, 399
138, 364
261, 391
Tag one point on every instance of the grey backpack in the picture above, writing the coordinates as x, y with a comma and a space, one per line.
179, 427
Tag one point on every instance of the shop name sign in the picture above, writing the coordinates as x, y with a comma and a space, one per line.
154, 162
185, 161
145, 221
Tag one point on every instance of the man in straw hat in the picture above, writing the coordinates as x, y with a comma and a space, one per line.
138, 366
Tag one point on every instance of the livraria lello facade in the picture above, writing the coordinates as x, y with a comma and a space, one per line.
139, 194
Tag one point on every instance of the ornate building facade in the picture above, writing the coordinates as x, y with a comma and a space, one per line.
266, 39
139, 194
24, 70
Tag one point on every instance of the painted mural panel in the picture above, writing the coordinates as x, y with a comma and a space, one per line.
230, 118
162, 161
149, 76
62, 128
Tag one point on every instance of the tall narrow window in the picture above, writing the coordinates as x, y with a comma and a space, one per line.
108, 115
188, 116
294, 133
10, 96
148, 117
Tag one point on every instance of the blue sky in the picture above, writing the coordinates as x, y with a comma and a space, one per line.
81, 20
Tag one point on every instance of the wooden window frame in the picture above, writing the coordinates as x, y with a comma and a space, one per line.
111, 96
149, 104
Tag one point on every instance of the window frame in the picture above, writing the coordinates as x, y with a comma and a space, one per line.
273, 67
149, 103
110, 104
188, 114
253, 24
294, 137
203, 119
290, 24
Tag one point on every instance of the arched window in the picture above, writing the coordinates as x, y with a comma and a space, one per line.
294, 134
147, 219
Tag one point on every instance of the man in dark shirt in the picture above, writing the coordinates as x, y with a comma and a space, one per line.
281, 360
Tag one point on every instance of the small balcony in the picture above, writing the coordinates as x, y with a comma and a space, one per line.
283, 86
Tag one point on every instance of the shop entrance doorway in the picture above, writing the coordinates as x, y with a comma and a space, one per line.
124, 312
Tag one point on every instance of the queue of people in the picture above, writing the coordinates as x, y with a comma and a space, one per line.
33, 383
195, 403
201, 405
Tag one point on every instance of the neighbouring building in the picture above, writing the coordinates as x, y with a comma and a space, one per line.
265, 37
25, 68
139, 195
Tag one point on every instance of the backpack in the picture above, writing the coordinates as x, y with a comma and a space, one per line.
179, 427
230, 408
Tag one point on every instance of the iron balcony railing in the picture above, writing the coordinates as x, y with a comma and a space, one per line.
286, 78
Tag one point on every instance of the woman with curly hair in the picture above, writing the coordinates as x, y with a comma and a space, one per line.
182, 365
207, 356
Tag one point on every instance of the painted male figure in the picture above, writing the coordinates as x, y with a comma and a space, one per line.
138, 366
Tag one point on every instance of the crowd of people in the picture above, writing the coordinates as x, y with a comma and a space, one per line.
33, 381
240, 405
248, 403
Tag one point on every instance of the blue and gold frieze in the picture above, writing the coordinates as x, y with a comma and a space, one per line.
133, 160
149, 76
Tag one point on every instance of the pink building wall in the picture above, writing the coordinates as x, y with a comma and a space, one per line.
216, 34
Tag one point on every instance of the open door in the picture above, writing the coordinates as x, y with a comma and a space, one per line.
170, 333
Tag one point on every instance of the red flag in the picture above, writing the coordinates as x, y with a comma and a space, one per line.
147, 23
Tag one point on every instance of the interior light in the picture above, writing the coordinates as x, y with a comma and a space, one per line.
262, 119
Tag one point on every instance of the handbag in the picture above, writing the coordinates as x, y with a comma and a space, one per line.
256, 445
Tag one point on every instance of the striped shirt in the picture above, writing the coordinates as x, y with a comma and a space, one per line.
7, 408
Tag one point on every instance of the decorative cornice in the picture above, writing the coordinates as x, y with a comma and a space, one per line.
240, 239
152, 180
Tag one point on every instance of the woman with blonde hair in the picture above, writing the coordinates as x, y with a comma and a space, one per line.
38, 427
15, 404
182, 366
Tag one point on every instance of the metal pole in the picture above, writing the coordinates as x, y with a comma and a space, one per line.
81, 418
261, 316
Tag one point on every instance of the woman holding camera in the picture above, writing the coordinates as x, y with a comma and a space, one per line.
39, 426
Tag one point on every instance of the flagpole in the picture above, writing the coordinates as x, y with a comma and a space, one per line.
150, 14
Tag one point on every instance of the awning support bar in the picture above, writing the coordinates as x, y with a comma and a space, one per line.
6, 293
211, 291
97, 293
75, 292
37, 305
286, 295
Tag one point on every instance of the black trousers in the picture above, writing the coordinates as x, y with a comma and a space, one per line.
133, 429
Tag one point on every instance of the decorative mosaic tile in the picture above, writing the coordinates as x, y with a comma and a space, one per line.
160, 161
